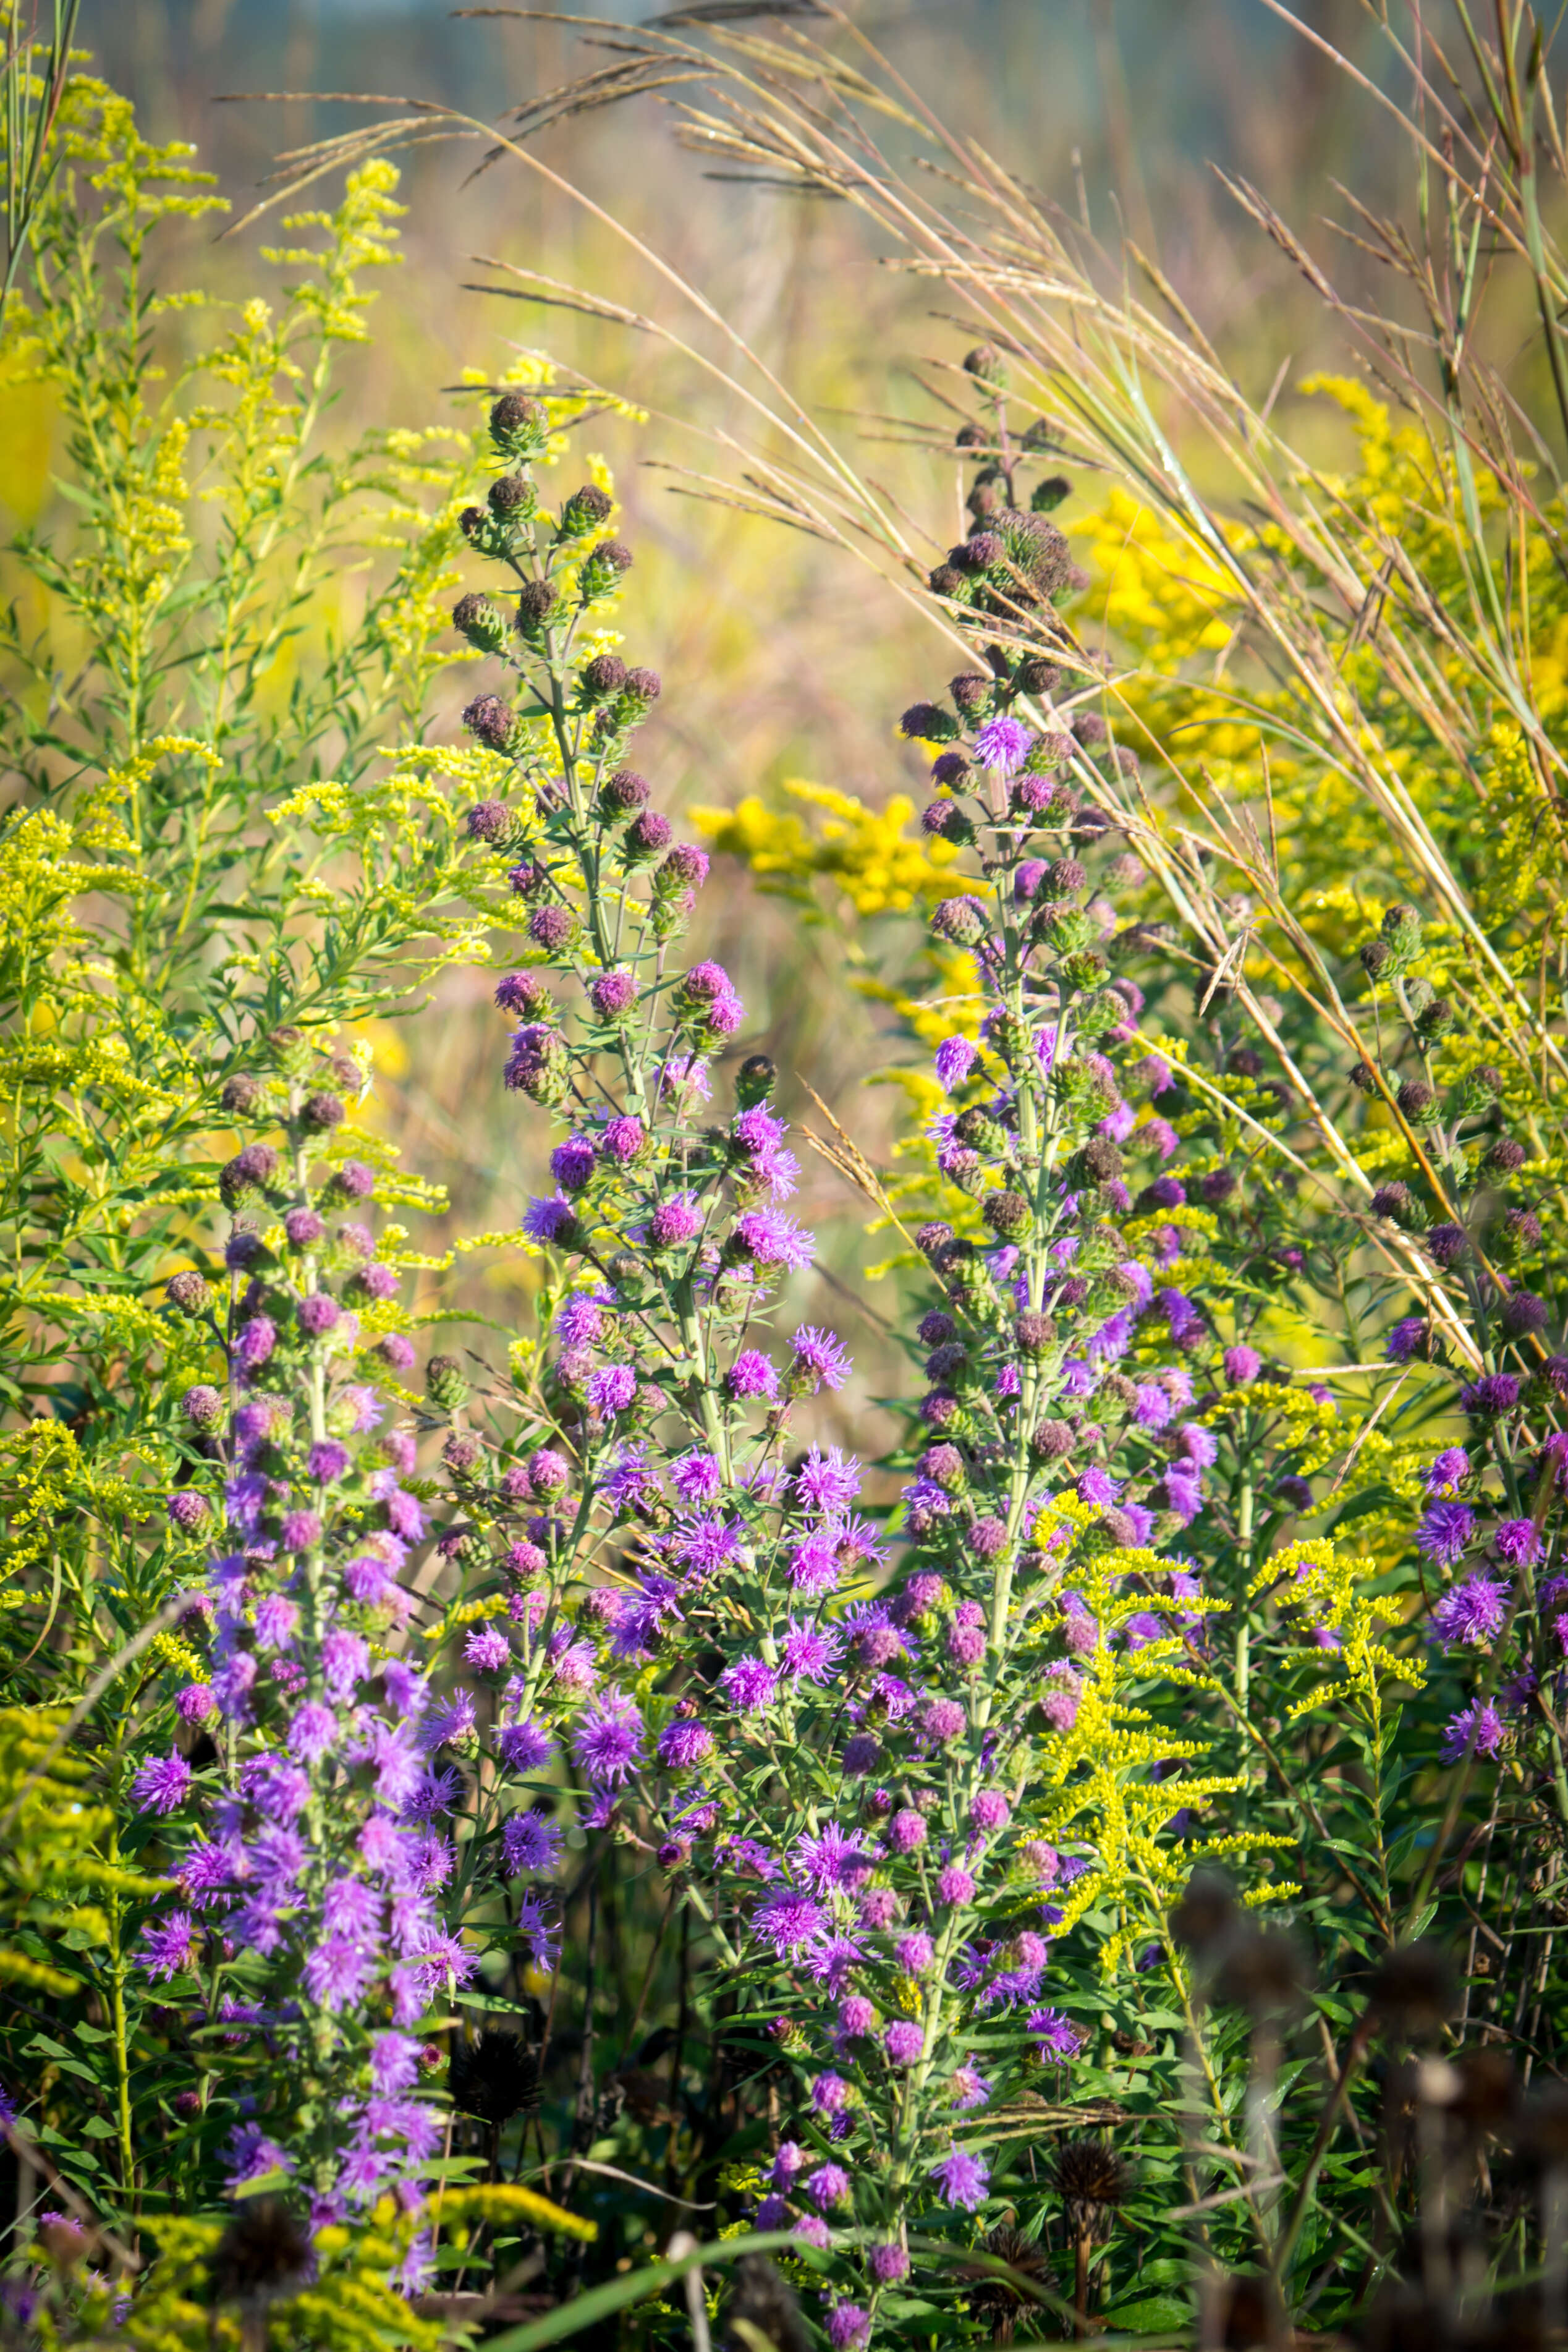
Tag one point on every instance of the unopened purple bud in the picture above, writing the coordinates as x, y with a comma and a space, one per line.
317, 1314
623, 1139
613, 995
548, 1473
674, 1222
905, 1832
202, 1407
686, 868
188, 1511
649, 834
553, 928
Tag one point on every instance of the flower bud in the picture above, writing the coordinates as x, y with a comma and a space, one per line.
972, 690
584, 511
203, 1406
1472, 1095
483, 622
445, 1384
945, 821
519, 426
1506, 1157
322, 1112
622, 793
1397, 1201
1008, 1215
491, 722
554, 929
512, 498
1050, 1441
986, 363
603, 569
960, 921
241, 1094
602, 678
638, 695
755, 1080
249, 1172
1035, 1333
537, 601
1523, 1315
1375, 959
1417, 1102
686, 868
647, 837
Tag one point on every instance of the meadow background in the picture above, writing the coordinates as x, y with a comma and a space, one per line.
783, 661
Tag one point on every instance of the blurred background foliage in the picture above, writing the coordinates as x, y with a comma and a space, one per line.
781, 667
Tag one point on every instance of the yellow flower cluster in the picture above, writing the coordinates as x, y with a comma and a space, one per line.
877, 865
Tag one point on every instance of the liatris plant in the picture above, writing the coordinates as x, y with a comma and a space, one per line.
308, 1904
896, 1803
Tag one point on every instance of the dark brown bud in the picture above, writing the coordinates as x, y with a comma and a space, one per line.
584, 509
510, 496
1034, 1332
1050, 1441
323, 1111
241, 1093
986, 363
605, 674
536, 600
971, 691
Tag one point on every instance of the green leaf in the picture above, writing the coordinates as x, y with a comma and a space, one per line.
618, 2295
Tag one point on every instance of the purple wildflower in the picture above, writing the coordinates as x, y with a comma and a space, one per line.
789, 1920
963, 2178
827, 1483
1476, 1730
1474, 1612
608, 1742
955, 1057
161, 1784
1444, 1532
771, 1239
611, 1389
171, 1945
1517, 1542
1003, 744
810, 1654
751, 1375
749, 1685
820, 1354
